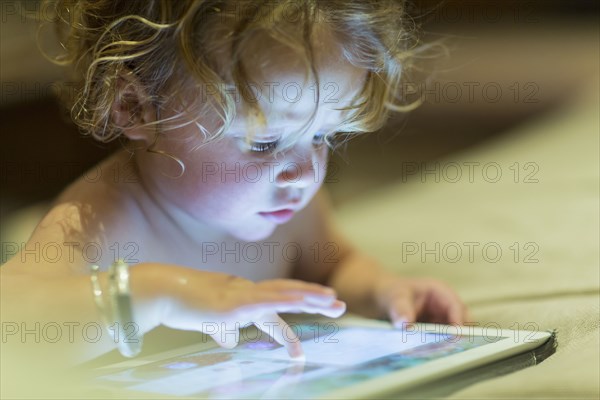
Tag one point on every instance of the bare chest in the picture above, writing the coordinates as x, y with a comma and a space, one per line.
272, 258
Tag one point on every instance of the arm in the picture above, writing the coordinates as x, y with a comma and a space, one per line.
363, 283
60, 313
41, 295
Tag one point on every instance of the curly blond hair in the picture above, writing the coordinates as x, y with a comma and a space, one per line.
172, 48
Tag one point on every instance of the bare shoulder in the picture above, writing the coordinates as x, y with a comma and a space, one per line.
105, 197
83, 222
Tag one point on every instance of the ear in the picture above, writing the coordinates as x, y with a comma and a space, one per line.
132, 108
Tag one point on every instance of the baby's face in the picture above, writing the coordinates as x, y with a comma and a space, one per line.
246, 189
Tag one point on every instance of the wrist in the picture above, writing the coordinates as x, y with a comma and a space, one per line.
147, 295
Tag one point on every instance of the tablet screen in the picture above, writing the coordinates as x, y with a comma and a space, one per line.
336, 357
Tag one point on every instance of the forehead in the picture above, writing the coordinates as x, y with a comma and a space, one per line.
279, 85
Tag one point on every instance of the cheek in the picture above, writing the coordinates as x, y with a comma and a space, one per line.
226, 185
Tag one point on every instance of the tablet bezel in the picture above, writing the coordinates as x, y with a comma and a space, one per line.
518, 341
523, 340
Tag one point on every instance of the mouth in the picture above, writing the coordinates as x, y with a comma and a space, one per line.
279, 216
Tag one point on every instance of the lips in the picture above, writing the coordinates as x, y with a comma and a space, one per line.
279, 216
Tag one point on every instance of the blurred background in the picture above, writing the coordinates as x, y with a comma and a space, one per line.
510, 61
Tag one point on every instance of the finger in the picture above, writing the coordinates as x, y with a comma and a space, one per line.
270, 297
312, 293
458, 313
455, 309
293, 297
282, 333
228, 335
335, 310
468, 317
324, 300
284, 299
402, 309
328, 304
316, 298
296, 285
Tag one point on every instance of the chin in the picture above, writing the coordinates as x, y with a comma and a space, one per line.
254, 235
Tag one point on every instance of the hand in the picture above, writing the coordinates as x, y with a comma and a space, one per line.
220, 304
407, 300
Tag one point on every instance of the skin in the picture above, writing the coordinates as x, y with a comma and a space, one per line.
170, 218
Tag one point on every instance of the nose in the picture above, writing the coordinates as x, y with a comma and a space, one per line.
300, 171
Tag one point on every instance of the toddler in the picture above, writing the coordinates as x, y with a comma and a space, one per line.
214, 205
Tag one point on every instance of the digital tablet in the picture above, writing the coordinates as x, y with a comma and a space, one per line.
348, 357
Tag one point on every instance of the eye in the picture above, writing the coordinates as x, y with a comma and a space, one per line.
263, 147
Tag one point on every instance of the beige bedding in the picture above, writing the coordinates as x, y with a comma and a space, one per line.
554, 221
